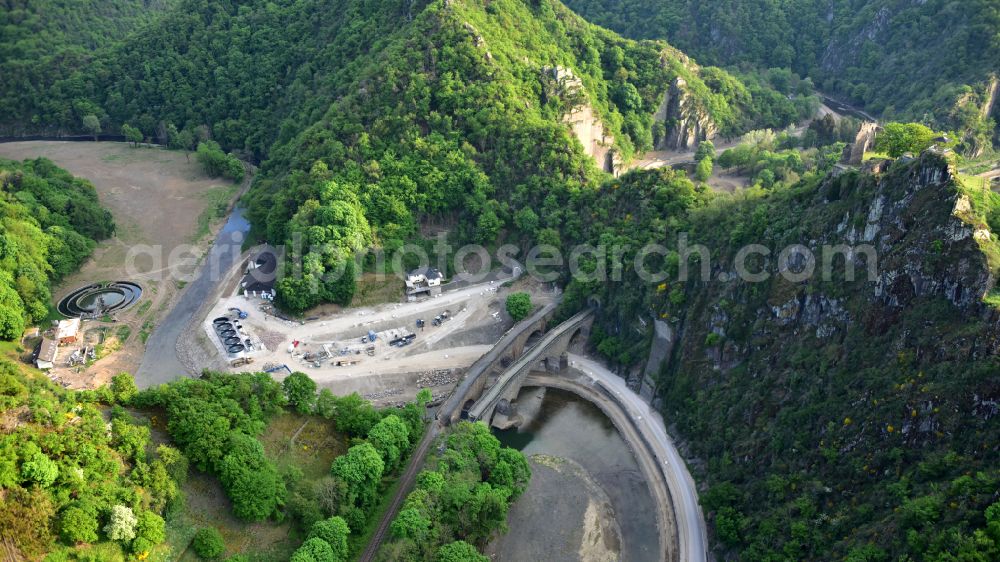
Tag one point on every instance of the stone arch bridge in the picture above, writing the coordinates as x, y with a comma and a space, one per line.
493, 382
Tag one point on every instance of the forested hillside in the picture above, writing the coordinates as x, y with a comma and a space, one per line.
460, 117
49, 224
905, 60
77, 469
253, 73
830, 417
851, 418
45, 41
399, 112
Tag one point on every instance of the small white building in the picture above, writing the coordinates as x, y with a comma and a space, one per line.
67, 330
423, 282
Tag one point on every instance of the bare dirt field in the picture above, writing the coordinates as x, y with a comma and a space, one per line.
159, 198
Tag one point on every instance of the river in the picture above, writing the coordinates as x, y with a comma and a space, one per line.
554, 519
160, 363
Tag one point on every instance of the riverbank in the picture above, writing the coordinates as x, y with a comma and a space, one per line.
580, 527
562, 424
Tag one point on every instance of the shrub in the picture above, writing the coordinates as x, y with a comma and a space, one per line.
40, 469
703, 170
208, 543
121, 526
314, 550
150, 531
123, 387
519, 306
78, 525
459, 551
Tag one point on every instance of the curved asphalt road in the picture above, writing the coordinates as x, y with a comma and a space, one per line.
691, 530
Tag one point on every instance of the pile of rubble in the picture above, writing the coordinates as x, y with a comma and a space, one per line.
383, 394
272, 340
438, 377
436, 399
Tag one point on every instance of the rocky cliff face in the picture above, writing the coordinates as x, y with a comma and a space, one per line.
686, 123
844, 392
854, 153
841, 52
990, 99
583, 121
912, 236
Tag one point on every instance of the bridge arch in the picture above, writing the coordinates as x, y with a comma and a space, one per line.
498, 359
550, 351
575, 337
533, 338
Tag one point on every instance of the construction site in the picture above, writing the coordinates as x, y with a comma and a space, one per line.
385, 353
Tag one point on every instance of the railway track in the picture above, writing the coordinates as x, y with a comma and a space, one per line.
406, 484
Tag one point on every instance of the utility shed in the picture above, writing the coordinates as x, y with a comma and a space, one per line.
47, 354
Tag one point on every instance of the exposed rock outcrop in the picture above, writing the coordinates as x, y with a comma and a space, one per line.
854, 153
584, 122
990, 99
686, 124
904, 239
842, 53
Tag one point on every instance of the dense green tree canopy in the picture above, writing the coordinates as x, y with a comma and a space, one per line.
49, 224
301, 392
465, 497
309, 97
314, 550
39, 469
250, 479
42, 44
150, 530
208, 543
459, 551
361, 470
333, 532
895, 139
396, 116
928, 60
391, 438
67, 479
216, 420
217, 163
78, 525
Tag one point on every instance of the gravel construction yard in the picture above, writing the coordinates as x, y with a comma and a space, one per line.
393, 374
